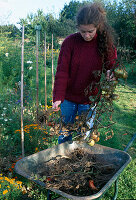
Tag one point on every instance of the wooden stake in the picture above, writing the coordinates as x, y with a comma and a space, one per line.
45, 73
37, 28
37, 76
22, 77
52, 70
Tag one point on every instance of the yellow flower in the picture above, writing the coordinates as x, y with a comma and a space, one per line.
7, 179
1, 178
17, 131
19, 182
5, 192
11, 181
35, 124
0, 185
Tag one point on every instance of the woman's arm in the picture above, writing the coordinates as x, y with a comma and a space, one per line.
62, 73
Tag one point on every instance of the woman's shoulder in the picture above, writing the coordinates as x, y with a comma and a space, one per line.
73, 35
72, 38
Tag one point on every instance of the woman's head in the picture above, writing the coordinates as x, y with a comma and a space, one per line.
91, 19
87, 31
91, 14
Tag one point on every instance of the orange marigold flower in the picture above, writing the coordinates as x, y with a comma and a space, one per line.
10, 169
11, 181
7, 179
17, 131
13, 165
5, 192
19, 182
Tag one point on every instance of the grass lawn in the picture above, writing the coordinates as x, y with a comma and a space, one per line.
124, 129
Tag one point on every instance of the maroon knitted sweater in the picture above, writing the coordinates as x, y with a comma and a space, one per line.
78, 62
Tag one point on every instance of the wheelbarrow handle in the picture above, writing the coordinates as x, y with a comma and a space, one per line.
116, 182
130, 143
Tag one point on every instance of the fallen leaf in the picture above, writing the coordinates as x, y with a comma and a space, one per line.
48, 179
91, 185
77, 187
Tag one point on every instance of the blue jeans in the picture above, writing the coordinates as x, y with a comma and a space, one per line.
69, 110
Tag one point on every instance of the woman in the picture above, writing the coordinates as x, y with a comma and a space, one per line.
83, 57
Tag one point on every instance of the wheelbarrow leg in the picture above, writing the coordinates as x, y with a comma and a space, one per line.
116, 190
48, 195
116, 182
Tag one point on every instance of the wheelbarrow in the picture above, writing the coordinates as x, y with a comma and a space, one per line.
31, 166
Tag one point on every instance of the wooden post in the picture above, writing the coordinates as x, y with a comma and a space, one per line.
37, 28
22, 77
52, 70
45, 73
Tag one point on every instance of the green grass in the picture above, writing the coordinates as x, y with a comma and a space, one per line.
124, 128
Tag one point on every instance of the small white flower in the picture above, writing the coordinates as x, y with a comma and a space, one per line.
4, 108
6, 54
29, 62
5, 120
30, 68
19, 83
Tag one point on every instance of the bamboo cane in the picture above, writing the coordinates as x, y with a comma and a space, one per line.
37, 28
37, 76
45, 73
22, 77
52, 70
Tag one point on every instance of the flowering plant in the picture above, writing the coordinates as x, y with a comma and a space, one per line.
10, 188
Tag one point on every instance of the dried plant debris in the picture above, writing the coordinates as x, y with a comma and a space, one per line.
80, 173
102, 103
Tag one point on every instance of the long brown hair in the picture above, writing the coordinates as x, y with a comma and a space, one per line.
95, 14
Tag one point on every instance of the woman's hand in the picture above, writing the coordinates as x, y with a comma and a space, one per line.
110, 76
55, 106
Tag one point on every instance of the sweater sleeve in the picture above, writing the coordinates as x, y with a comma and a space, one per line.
110, 61
62, 73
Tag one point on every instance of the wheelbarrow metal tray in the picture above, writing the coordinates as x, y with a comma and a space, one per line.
31, 166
